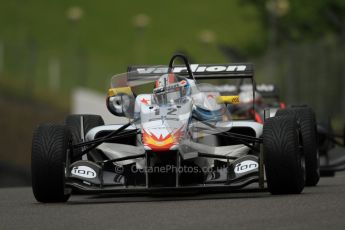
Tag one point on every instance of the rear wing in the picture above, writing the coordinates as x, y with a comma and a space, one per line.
200, 71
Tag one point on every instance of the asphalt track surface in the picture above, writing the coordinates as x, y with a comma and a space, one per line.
321, 207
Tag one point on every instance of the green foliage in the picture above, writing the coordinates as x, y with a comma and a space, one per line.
300, 20
104, 41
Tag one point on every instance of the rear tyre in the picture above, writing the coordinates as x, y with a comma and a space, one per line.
306, 119
282, 156
50, 144
76, 122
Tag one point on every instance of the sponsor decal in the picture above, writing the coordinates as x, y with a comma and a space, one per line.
235, 100
145, 101
195, 68
246, 166
162, 143
83, 171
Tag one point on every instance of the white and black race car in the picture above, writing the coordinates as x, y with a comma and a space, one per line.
180, 136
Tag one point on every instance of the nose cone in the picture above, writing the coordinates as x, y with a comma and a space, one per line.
163, 140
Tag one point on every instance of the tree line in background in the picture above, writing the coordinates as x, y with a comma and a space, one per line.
303, 54
301, 20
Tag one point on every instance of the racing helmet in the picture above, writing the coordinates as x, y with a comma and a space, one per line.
165, 80
170, 88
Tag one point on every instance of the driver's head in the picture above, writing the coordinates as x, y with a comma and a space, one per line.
166, 80
170, 88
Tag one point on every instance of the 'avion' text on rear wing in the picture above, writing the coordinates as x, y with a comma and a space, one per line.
200, 71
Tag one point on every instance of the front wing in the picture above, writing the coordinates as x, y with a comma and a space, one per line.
92, 178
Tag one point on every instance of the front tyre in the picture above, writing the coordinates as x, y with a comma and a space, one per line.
50, 144
282, 156
306, 118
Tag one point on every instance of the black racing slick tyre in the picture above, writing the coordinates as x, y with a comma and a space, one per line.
79, 125
307, 121
283, 159
50, 145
